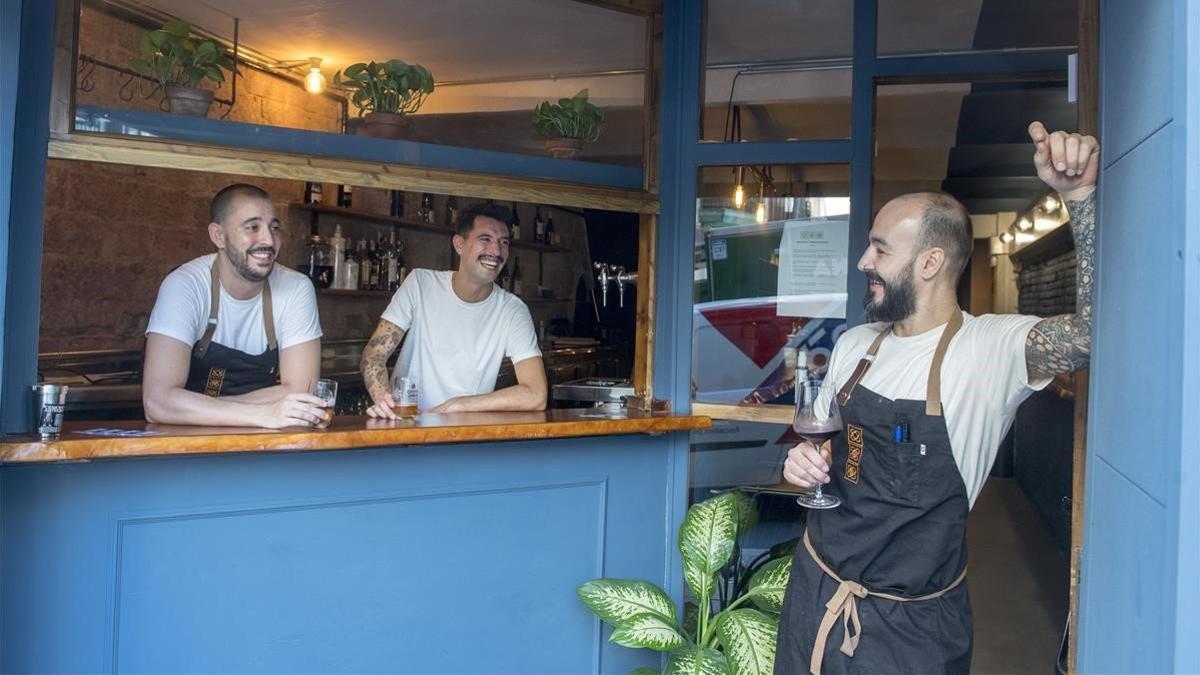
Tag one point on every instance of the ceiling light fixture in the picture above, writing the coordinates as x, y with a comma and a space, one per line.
1050, 205
1005, 237
314, 81
1024, 224
760, 211
739, 192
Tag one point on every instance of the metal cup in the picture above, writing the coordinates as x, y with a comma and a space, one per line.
49, 401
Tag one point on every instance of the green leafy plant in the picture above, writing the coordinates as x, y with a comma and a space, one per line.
173, 58
570, 118
390, 87
736, 639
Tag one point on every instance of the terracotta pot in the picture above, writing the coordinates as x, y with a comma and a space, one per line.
191, 101
386, 125
564, 148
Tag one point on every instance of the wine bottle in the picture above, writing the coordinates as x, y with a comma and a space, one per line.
516, 224
397, 209
539, 227
345, 196
452, 211
550, 233
427, 207
516, 278
312, 193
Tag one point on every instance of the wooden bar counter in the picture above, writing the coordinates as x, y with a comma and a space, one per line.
344, 433
447, 544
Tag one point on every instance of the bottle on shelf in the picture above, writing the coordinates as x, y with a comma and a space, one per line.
337, 251
401, 264
352, 269
539, 227
391, 264
373, 272
451, 211
312, 192
517, 287
550, 233
426, 213
345, 196
515, 229
397, 208
364, 265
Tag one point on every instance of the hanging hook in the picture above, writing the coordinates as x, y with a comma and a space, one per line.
85, 76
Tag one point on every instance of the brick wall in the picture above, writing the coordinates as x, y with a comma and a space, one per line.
1047, 287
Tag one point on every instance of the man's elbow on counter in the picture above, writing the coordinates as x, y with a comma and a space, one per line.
153, 409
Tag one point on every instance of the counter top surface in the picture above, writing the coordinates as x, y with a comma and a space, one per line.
345, 432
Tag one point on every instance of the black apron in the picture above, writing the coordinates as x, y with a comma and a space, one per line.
889, 564
217, 370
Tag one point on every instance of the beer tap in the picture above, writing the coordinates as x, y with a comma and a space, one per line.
606, 273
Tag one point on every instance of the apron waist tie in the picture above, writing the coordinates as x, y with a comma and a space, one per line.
845, 603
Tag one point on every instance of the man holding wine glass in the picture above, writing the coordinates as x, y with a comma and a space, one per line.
926, 394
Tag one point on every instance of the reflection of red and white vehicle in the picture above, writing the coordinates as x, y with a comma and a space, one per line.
738, 357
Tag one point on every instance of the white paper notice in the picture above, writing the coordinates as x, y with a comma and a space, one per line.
812, 268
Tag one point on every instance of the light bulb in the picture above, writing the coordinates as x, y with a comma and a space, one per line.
739, 196
1024, 224
314, 81
1005, 237
1050, 204
760, 213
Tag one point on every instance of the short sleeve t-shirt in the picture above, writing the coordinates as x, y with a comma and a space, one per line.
184, 298
452, 347
984, 379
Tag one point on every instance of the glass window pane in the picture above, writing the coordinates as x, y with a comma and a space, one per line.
768, 278
784, 67
485, 88
924, 26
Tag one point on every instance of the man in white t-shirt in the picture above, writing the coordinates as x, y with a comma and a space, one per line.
457, 327
234, 339
926, 394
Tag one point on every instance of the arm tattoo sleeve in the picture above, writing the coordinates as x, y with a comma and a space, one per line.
374, 360
1062, 344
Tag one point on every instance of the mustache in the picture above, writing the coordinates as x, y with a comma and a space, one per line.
262, 249
872, 276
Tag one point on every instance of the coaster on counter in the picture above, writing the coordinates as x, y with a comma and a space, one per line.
118, 432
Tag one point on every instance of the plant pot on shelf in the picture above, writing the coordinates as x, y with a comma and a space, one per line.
564, 148
385, 125
192, 101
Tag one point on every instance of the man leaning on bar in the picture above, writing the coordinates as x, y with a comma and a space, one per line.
234, 339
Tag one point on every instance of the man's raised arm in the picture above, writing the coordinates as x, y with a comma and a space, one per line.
1068, 163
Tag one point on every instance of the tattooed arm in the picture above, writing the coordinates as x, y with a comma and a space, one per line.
374, 367
1069, 164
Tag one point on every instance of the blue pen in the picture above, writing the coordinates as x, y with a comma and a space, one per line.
899, 433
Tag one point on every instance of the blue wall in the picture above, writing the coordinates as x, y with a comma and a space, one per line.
438, 559
1138, 592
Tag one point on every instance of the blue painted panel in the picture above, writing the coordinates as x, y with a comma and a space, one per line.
10, 60
1126, 596
23, 259
322, 144
862, 133
423, 559
1137, 72
1137, 339
967, 65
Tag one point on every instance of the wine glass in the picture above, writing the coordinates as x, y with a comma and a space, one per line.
817, 420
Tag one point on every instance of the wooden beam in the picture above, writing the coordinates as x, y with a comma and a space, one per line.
66, 55
1088, 111
771, 414
638, 7
267, 164
647, 261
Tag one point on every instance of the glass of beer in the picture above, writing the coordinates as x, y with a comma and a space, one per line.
404, 396
326, 390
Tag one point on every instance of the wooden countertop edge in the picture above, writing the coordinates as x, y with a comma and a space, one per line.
104, 447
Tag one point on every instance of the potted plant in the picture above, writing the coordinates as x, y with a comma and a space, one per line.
568, 124
179, 63
385, 93
735, 639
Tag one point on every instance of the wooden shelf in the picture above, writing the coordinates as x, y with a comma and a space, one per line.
344, 293
409, 224
529, 300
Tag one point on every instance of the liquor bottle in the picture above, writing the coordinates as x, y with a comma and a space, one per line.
352, 269
452, 211
539, 227
391, 260
550, 233
373, 273
345, 196
516, 278
312, 193
427, 207
397, 209
516, 224
364, 265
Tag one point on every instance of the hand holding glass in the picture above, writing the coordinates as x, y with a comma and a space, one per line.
404, 396
326, 390
817, 420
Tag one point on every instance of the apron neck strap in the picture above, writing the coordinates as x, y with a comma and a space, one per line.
864, 364
214, 306
933, 390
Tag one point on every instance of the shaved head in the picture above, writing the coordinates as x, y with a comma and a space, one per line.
945, 224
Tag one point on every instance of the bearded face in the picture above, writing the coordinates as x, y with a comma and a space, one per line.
890, 300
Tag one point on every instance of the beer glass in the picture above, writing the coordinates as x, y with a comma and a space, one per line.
404, 396
817, 420
326, 390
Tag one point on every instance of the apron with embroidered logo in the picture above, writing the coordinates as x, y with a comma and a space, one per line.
217, 370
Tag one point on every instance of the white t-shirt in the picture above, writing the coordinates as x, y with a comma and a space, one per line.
984, 379
454, 348
181, 311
